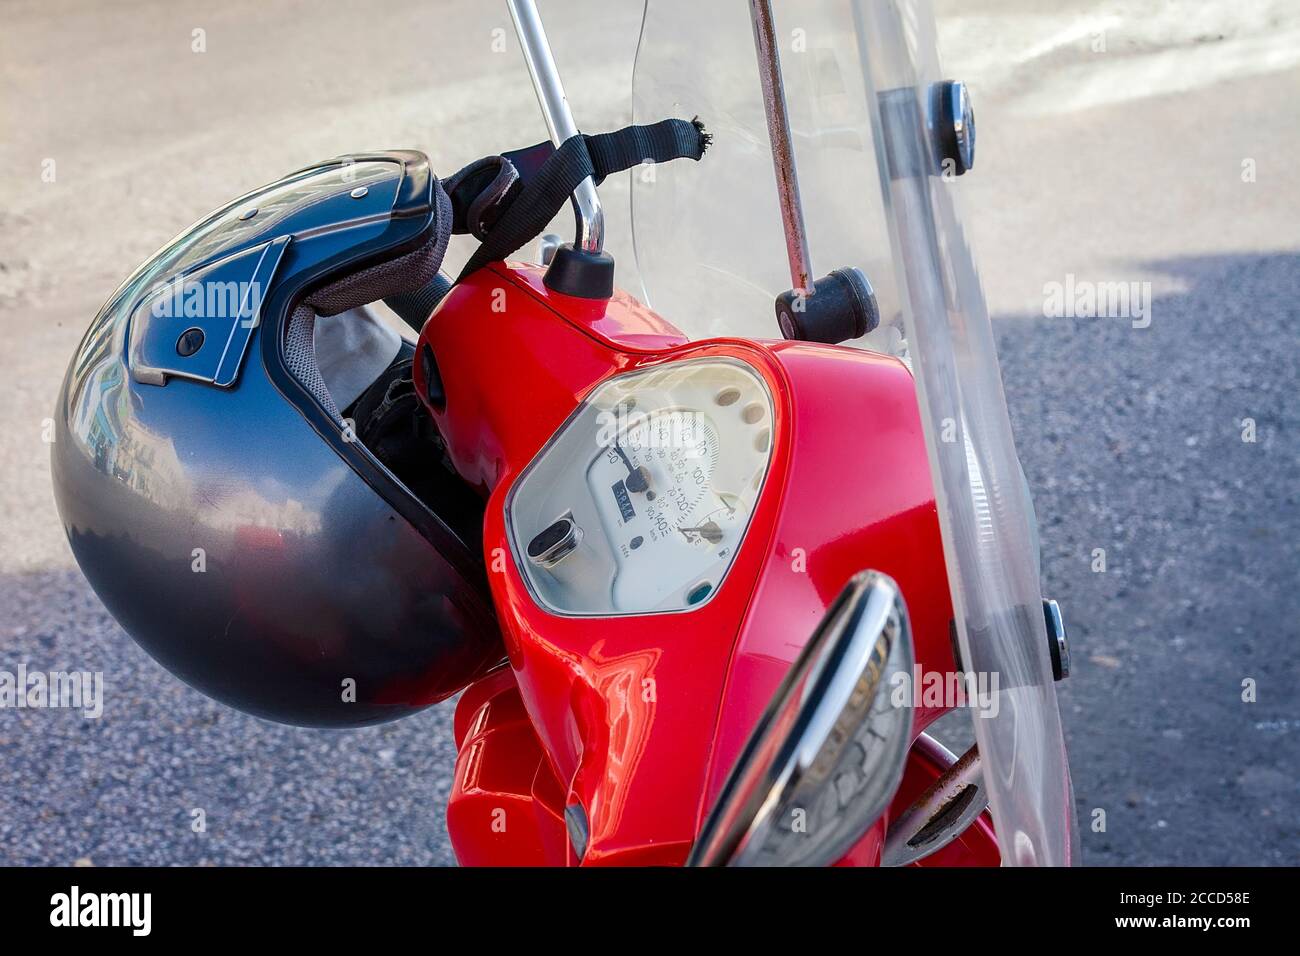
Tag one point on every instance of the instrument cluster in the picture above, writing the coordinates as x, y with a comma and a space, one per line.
641, 500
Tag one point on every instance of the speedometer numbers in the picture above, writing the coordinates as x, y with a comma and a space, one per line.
658, 469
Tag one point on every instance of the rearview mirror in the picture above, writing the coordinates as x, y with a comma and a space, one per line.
828, 754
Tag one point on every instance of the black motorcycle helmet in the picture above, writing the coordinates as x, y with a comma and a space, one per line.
219, 496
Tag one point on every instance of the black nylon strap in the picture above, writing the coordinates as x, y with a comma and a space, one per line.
657, 143
545, 192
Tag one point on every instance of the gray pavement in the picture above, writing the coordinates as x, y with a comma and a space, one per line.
1124, 164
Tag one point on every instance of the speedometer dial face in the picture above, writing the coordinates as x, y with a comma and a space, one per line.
662, 499
653, 488
667, 457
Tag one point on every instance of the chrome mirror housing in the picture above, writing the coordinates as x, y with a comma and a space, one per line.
828, 754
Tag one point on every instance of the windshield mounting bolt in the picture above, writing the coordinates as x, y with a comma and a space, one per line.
953, 127
1058, 645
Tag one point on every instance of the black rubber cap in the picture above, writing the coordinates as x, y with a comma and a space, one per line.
587, 275
842, 307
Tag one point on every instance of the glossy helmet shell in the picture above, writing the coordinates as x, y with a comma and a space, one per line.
215, 499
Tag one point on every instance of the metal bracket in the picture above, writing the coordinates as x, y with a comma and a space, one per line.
778, 131
940, 814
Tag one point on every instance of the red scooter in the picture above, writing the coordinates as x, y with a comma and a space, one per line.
706, 562
730, 566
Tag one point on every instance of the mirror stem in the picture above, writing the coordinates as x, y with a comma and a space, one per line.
778, 131
559, 119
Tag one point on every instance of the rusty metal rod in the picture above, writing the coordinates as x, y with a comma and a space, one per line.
778, 131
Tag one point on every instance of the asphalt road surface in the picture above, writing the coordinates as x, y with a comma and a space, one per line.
1135, 141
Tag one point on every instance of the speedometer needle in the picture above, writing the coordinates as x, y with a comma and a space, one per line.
709, 531
636, 477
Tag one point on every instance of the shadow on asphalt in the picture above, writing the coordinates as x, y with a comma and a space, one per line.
1132, 441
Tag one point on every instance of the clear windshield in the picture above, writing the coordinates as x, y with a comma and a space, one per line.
858, 78
725, 226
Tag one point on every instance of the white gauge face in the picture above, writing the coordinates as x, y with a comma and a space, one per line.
641, 501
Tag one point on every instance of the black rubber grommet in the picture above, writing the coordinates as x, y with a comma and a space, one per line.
842, 307
586, 275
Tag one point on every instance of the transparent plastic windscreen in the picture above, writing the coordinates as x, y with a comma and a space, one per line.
712, 257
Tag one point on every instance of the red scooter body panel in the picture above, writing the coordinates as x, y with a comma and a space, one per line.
507, 808
638, 719
857, 495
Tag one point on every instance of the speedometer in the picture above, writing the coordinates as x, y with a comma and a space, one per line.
667, 456
663, 462
640, 502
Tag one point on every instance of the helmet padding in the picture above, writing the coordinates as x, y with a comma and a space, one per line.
403, 274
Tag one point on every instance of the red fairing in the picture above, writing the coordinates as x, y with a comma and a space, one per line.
635, 721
